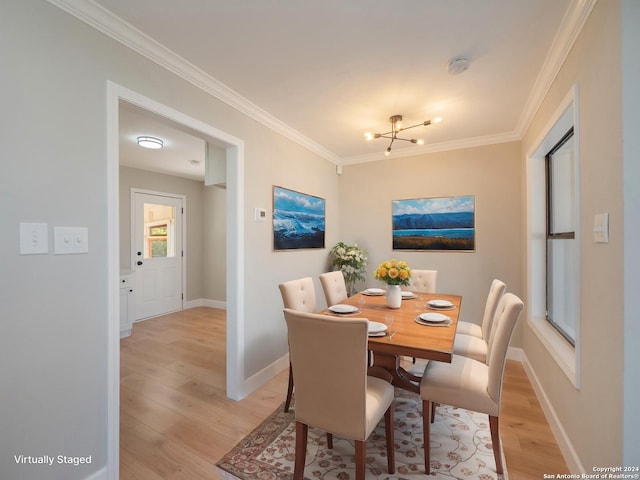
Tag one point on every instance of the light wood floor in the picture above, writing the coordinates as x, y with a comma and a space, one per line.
176, 422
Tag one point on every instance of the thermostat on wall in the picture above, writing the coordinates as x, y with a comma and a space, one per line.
259, 214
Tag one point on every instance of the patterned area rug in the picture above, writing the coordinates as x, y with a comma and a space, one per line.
460, 448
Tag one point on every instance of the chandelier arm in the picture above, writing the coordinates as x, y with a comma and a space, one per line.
391, 143
425, 123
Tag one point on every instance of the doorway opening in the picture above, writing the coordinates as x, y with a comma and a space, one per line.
234, 159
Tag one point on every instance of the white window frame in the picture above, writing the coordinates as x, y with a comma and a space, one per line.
566, 356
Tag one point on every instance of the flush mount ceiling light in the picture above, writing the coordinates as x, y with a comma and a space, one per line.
396, 128
150, 142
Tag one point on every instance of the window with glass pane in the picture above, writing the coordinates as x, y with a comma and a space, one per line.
561, 214
159, 231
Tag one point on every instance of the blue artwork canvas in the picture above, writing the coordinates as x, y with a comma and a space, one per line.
440, 223
298, 220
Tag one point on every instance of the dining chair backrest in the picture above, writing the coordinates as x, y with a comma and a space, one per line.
423, 281
330, 387
334, 287
507, 316
496, 291
299, 294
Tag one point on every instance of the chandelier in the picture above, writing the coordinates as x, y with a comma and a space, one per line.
396, 128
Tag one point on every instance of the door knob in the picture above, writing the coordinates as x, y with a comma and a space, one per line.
139, 262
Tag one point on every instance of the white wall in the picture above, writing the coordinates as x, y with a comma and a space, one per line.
53, 348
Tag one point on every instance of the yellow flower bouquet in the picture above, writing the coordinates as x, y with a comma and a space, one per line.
393, 272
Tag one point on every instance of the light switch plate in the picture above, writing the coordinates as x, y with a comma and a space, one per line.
34, 238
70, 240
601, 228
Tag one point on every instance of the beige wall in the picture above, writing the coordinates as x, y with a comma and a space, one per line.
491, 173
592, 415
214, 258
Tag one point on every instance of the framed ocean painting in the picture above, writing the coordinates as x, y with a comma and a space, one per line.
439, 223
298, 220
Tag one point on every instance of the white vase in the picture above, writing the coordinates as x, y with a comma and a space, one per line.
394, 296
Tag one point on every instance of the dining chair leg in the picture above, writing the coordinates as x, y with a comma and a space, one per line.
389, 433
330, 441
433, 412
361, 458
287, 402
301, 450
426, 410
495, 440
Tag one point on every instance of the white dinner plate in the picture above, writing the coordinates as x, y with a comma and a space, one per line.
434, 317
341, 308
408, 295
377, 334
419, 321
373, 291
376, 327
440, 303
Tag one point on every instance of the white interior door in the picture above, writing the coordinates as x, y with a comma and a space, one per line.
157, 253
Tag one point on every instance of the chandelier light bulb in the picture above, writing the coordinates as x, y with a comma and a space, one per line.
420, 141
437, 120
368, 136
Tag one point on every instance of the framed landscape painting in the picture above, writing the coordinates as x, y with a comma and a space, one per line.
439, 223
298, 220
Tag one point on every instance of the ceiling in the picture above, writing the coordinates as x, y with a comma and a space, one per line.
325, 72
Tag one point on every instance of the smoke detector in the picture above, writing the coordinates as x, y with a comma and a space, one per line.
458, 65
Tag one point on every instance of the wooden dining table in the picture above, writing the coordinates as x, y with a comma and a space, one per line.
404, 336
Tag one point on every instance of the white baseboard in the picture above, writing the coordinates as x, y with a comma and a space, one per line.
258, 379
203, 302
516, 354
566, 447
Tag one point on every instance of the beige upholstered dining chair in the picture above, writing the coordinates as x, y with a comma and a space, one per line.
423, 281
334, 287
472, 340
297, 295
470, 384
333, 391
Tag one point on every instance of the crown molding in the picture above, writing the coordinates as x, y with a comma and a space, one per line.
106, 22
572, 23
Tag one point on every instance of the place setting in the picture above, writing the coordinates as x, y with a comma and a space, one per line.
377, 329
440, 305
373, 292
433, 319
343, 309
